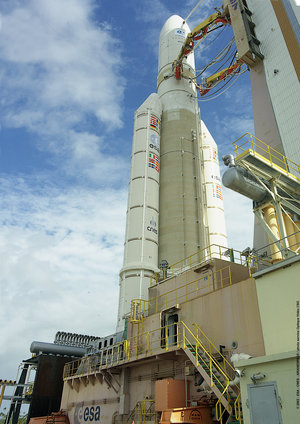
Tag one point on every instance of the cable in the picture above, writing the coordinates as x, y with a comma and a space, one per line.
209, 44
212, 95
227, 82
190, 14
212, 98
223, 53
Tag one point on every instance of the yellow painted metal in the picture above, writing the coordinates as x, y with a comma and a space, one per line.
189, 39
215, 77
137, 310
213, 350
271, 220
2, 394
211, 282
237, 408
248, 143
207, 253
191, 339
143, 412
291, 231
152, 343
297, 229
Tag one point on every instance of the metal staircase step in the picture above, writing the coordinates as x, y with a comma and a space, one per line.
213, 375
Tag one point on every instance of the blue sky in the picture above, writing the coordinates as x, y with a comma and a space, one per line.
72, 74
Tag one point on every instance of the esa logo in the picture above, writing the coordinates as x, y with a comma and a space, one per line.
88, 414
154, 142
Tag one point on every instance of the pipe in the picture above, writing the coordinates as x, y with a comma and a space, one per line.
40, 347
290, 230
297, 228
201, 379
271, 220
234, 382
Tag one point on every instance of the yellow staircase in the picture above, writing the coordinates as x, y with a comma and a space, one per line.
143, 413
208, 360
215, 370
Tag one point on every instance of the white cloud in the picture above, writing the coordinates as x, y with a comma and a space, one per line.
61, 251
62, 60
58, 71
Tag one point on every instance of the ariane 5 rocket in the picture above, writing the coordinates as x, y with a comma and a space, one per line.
175, 204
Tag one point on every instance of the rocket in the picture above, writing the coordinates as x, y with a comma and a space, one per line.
175, 205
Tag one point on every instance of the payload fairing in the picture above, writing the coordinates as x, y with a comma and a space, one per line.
175, 205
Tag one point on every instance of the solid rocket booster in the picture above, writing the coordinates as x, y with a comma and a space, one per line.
186, 190
214, 217
175, 204
141, 238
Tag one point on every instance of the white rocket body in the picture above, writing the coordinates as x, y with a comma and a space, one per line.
175, 205
141, 239
214, 208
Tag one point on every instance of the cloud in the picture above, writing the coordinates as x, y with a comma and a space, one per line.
59, 61
61, 252
58, 73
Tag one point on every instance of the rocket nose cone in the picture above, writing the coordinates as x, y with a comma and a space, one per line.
174, 22
171, 40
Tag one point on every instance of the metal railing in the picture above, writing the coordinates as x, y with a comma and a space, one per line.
258, 147
143, 412
141, 308
142, 345
217, 374
163, 339
294, 246
214, 351
224, 363
214, 251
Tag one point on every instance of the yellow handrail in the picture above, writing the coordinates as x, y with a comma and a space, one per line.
213, 251
141, 412
212, 363
172, 336
259, 147
141, 308
237, 408
138, 310
200, 333
226, 364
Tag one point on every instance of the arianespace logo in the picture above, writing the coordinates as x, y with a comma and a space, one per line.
86, 414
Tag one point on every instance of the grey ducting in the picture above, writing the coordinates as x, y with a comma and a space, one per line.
55, 349
238, 179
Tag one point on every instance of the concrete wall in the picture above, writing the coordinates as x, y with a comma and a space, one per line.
277, 294
225, 315
215, 269
140, 384
94, 394
280, 73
